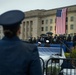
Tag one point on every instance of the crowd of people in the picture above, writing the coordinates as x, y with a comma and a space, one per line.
54, 39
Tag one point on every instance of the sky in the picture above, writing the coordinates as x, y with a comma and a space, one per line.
27, 5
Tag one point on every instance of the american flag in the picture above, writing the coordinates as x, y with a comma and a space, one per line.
61, 21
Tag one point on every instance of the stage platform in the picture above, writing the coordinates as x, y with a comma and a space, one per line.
51, 52
65, 47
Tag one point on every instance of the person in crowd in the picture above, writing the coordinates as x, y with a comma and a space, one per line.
34, 40
47, 44
38, 39
64, 36
69, 38
55, 39
39, 44
59, 39
49, 37
30, 40
74, 41
16, 57
41, 39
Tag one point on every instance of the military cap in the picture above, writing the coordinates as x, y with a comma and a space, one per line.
12, 17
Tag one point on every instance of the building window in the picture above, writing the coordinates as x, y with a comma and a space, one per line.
51, 28
42, 21
46, 29
31, 22
31, 25
27, 22
23, 23
71, 18
46, 21
71, 26
42, 28
51, 20
23, 26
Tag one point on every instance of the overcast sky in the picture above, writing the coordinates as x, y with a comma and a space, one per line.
26, 5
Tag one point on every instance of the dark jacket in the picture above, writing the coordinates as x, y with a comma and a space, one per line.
74, 38
67, 65
18, 58
69, 38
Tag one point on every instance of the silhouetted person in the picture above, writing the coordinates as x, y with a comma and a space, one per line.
47, 44
74, 40
69, 38
16, 57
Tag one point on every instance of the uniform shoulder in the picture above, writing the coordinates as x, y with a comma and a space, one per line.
29, 46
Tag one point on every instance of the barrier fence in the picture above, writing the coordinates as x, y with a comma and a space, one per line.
54, 67
42, 64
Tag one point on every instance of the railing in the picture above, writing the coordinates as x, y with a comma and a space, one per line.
42, 64
59, 66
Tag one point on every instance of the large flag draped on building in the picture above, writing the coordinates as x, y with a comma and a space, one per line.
61, 21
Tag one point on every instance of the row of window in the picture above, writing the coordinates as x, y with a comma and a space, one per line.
51, 28
28, 22
46, 28
51, 20
47, 21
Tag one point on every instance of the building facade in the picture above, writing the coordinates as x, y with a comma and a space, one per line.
39, 22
